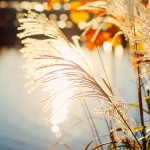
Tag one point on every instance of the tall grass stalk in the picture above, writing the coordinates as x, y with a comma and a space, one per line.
141, 109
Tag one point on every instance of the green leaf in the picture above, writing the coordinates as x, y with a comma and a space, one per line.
137, 106
147, 100
148, 144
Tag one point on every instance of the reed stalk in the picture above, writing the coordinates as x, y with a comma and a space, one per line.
141, 109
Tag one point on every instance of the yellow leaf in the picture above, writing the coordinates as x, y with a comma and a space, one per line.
140, 127
75, 5
77, 17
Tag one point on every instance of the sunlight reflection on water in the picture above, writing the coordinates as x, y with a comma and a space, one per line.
22, 118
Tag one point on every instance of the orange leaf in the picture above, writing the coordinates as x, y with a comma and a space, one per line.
101, 37
51, 2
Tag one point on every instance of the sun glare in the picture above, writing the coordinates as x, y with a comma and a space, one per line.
55, 128
107, 46
61, 101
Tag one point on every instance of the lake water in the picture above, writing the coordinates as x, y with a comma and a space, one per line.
22, 118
